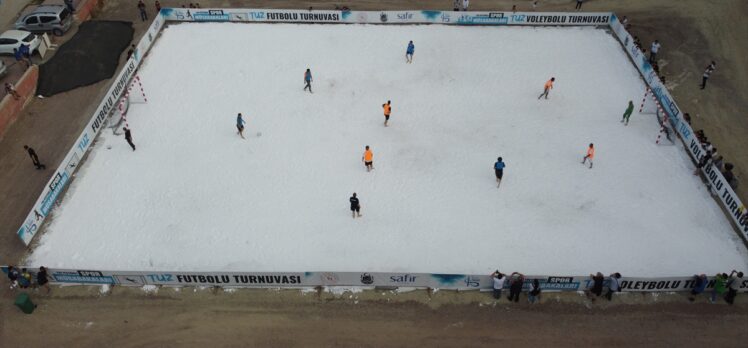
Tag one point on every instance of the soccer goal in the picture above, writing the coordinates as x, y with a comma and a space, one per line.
650, 105
119, 115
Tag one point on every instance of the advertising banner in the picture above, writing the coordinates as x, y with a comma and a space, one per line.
64, 172
382, 17
355, 279
717, 182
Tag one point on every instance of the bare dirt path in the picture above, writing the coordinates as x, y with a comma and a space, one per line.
692, 32
81, 317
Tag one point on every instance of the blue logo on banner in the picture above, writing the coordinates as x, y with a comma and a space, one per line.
211, 15
55, 188
490, 18
256, 15
431, 15
448, 279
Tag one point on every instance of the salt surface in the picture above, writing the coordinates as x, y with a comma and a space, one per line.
195, 196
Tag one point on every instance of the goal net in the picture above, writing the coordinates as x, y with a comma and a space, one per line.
135, 94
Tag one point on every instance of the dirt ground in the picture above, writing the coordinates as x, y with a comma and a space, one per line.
692, 33
83, 317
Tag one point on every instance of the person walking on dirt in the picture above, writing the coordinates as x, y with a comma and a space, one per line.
240, 125
34, 157
498, 279
387, 110
498, 169
141, 9
547, 88
590, 155
707, 73
308, 80
355, 206
368, 159
627, 113
128, 137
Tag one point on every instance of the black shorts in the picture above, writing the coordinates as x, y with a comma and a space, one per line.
239, 127
499, 173
368, 163
355, 208
386, 117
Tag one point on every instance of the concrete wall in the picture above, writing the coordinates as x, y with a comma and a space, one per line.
11, 108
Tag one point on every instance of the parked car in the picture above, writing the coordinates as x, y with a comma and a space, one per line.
14, 38
3, 69
54, 18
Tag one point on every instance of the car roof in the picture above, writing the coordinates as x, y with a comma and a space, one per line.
15, 34
43, 9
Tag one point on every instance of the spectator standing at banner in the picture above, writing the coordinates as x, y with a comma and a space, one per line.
579, 5
699, 285
614, 285
653, 50
42, 279
703, 162
733, 284
498, 284
141, 9
720, 284
534, 293
708, 72
465, 4
597, 284
515, 286
13, 277
130, 51
158, 6
24, 279
456, 6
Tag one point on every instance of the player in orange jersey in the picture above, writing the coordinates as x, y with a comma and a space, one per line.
368, 159
387, 110
548, 87
590, 155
